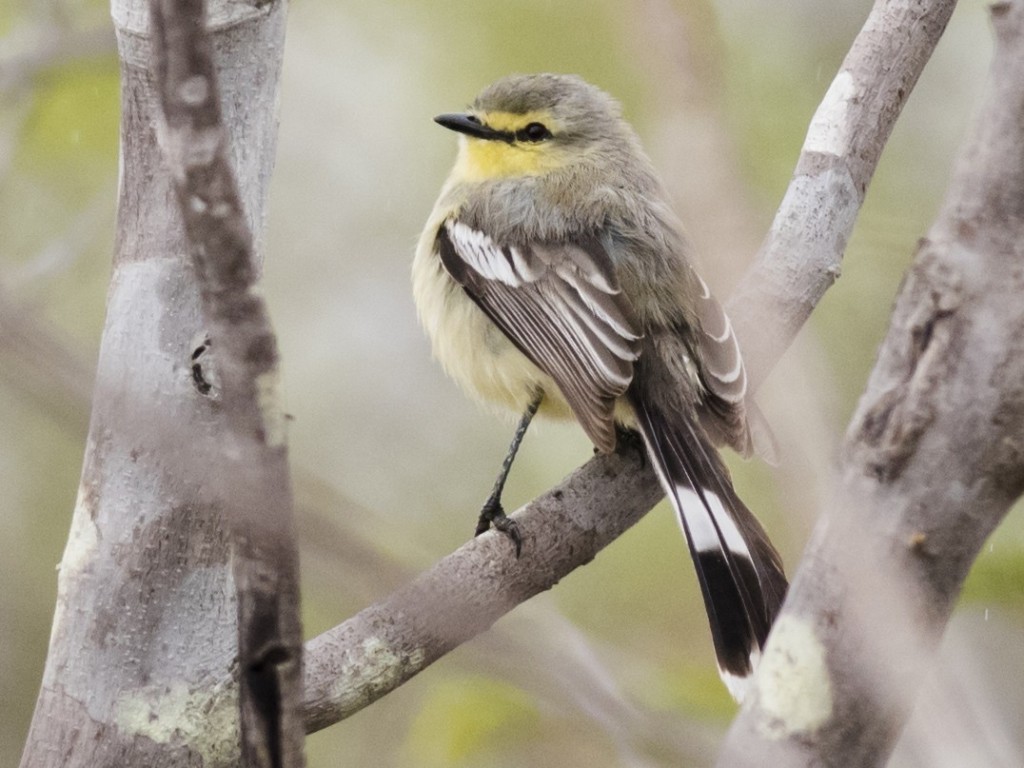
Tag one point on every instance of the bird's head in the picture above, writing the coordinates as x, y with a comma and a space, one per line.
532, 125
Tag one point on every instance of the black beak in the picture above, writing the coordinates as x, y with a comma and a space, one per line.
469, 125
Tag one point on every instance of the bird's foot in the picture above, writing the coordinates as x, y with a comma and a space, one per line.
493, 515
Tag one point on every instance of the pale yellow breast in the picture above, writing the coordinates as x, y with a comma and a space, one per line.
471, 349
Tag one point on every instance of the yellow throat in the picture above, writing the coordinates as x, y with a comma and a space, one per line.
487, 159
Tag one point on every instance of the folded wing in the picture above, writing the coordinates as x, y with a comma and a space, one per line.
561, 305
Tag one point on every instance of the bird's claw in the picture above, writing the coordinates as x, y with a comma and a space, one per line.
493, 515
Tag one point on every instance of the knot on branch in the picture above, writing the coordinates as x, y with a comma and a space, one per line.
204, 373
920, 354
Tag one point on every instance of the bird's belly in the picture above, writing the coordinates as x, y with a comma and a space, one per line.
473, 350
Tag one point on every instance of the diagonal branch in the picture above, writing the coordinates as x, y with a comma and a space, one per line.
932, 463
384, 645
802, 254
369, 655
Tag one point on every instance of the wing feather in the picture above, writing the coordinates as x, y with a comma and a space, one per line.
723, 368
561, 305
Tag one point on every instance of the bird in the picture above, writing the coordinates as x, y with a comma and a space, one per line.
553, 277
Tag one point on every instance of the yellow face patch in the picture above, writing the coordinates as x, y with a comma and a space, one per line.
484, 159
512, 121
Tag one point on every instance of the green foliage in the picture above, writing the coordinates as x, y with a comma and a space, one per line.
463, 719
696, 689
70, 136
997, 577
57, 199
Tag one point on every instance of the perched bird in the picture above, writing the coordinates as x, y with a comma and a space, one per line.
552, 276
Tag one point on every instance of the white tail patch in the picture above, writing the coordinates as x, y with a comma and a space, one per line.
706, 536
740, 687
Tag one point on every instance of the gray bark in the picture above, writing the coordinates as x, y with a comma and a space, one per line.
357, 662
252, 485
802, 254
146, 609
933, 460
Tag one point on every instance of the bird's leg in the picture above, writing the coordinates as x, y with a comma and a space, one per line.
492, 512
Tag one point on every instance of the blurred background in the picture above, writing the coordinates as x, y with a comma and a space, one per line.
614, 666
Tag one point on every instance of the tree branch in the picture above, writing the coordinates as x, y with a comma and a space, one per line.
369, 655
253, 484
384, 645
802, 253
933, 461
146, 620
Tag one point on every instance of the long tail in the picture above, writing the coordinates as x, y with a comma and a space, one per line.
739, 571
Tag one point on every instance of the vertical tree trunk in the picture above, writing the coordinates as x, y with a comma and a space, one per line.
145, 622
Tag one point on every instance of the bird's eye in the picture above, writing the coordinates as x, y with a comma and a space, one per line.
533, 132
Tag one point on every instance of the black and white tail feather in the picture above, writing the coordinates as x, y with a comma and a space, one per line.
561, 305
739, 571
